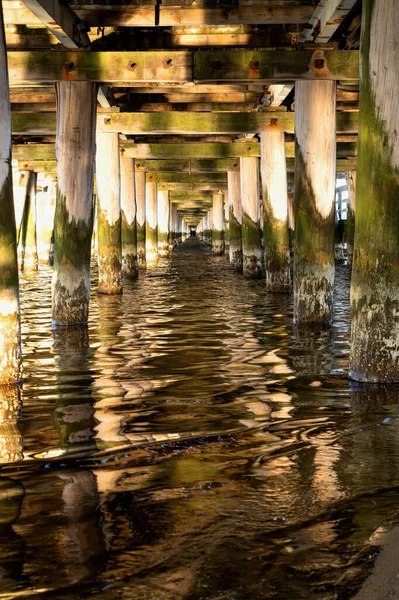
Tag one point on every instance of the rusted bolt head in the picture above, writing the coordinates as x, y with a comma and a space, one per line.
319, 63
131, 66
254, 65
167, 63
69, 66
107, 120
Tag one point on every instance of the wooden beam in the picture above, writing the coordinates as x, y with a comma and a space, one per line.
61, 21
215, 178
44, 66
192, 187
189, 165
208, 123
216, 150
178, 123
275, 65
124, 15
326, 19
176, 66
218, 154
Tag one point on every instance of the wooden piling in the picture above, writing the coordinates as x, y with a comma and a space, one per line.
315, 143
128, 218
250, 202
235, 219
140, 217
163, 222
375, 275
10, 336
27, 242
108, 213
275, 211
151, 223
217, 225
73, 219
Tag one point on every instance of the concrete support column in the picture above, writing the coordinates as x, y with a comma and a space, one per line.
140, 216
315, 142
235, 219
250, 202
27, 242
163, 222
109, 213
349, 227
217, 225
45, 207
375, 274
273, 171
151, 223
73, 219
128, 218
10, 340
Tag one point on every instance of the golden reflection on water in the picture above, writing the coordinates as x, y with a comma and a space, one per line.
191, 444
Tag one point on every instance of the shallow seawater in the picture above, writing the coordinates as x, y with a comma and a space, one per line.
192, 444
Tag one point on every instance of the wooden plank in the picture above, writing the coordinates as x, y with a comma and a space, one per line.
190, 187
187, 178
61, 21
217, 150
219, 154
42, 66
290, 13
275, 65
343, 165
38, 166
209, 123
188, 166
326, 19
178, 123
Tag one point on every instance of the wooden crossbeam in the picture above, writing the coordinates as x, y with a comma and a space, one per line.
178, 123
193, 178
183, 171
177, 66
189, 165
124, 15
221, 154
192, 187
44, 66
216, 150
275, 65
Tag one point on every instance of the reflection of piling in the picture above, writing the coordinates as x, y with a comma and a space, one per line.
86, 544
11, 441
74, 417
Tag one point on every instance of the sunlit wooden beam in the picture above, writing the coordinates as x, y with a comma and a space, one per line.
61, 21
27, 67
326, 19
